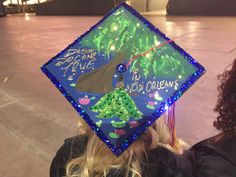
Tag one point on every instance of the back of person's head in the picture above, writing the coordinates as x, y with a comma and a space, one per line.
226, 105
98, 160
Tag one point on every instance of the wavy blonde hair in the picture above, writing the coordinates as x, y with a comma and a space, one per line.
98, 160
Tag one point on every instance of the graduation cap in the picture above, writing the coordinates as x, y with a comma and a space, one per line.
122, 75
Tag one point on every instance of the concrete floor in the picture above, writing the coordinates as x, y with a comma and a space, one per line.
35, 118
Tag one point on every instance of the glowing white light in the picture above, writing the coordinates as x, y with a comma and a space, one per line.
6, 3
156, 95
27, 17
180, 77
20, 2
148, 55
113, 47
157, 43
166, 107
138, 25
115, 28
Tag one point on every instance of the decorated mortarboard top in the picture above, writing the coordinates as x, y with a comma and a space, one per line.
122, 75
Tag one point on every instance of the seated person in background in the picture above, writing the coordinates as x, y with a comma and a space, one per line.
216, 156
151, 155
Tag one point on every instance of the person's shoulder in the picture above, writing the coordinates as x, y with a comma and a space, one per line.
221, 144
216, 156
164, 156
165, 163
72, 148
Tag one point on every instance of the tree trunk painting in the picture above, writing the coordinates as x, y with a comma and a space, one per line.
100, 79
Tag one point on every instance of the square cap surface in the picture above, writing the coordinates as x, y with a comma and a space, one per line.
122, 75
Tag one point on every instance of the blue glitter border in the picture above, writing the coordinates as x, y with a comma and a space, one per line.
171, 100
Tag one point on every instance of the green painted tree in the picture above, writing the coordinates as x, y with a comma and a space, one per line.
117, 103
122, 31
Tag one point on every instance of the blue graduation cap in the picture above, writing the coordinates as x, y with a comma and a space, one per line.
122, 75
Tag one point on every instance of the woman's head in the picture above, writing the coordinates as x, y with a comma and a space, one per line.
226, 105
98, 159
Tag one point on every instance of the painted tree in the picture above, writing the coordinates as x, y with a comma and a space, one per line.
124, 31
117, 103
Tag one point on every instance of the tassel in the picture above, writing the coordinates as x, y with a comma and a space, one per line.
171, 124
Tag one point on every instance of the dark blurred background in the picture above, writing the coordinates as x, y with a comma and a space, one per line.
101, 7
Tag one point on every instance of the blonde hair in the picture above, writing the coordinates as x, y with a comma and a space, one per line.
98, 160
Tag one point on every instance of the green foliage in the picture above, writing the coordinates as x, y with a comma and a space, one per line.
124, 32
117, 103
